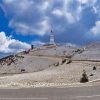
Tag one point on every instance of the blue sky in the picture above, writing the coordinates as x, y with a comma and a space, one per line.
23, 22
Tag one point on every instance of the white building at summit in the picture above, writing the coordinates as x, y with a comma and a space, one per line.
52, 39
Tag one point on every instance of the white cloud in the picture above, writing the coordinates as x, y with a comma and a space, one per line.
43, 27
67, 11
28, 16
96, 29
96, 9
91, 3
8, 1
40, 28
44, 5
9, 45
34, 16
37, 43
71, 45
19, 6
88, 2
70, 17
57, 12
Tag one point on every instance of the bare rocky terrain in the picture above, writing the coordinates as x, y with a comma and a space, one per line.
53, 65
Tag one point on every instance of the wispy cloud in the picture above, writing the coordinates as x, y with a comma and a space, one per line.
9, 45
35, 17
70, 19
37, 43
96, 29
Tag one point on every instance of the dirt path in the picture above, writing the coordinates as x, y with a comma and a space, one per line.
48, 57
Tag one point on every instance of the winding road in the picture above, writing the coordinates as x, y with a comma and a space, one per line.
71, 93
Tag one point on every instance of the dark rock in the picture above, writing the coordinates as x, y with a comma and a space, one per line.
91, 74
69, 61
63, 61
94, 68
84, 78
23, 70
57, 64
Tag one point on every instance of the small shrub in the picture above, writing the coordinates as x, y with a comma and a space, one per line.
57, 64
63, 61
84, 78
23, 70
69, 61
49, 65
94, 68
91, 74
9, 64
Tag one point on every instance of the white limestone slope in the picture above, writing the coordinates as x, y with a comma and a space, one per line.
91, 52
35, 60
54, 51
29, 63
40, 66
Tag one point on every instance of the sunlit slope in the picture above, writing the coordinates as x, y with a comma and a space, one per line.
91, 52
54, 51
34, 60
